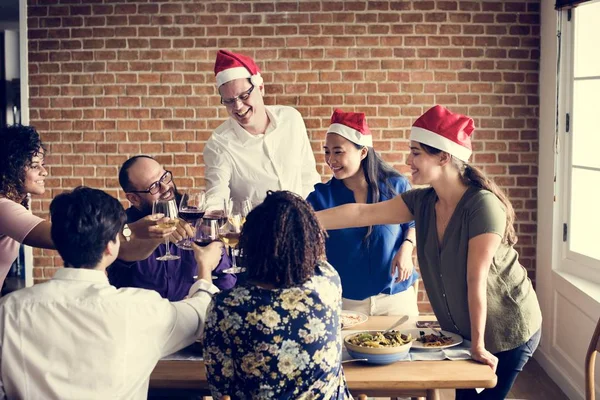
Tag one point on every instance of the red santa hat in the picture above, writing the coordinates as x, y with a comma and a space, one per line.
230, 66
352, 126
445, 131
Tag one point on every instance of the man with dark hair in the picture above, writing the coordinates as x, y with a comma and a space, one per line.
144, 181
78, 337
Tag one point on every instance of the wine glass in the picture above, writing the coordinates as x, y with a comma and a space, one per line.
169, 209
227, 211
229, 233
191, 208
245, 208
207, 231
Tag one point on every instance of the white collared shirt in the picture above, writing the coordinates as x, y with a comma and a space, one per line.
77, 337
240, 165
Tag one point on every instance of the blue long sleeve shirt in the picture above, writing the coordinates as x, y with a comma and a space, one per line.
364, 266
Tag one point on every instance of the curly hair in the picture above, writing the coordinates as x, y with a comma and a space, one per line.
282, 240
19, 145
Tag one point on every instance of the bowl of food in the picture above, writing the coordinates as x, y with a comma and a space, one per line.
377, 347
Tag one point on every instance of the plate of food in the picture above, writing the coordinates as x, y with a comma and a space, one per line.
351, 318
429, 339
378, 347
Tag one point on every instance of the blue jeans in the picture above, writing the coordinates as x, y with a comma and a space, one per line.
510, 363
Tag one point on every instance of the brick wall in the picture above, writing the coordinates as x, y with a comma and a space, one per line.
110, 79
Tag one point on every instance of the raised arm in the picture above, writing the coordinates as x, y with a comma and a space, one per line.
393, 211
310, 176
217, 175
39, 236
145, 237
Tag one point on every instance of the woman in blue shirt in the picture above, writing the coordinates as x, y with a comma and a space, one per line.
375, 263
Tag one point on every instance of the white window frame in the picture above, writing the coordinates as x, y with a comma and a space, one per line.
571, 262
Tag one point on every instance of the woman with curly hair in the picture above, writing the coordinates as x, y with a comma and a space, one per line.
278, 335
22, 172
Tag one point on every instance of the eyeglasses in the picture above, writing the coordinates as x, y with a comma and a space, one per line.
242, 97
166, 178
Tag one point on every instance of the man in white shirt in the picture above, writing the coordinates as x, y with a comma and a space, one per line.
76, 336
259, 147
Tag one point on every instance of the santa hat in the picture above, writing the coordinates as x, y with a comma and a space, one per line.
230, 66
445, 131
352, 126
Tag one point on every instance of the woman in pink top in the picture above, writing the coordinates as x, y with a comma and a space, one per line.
22, 171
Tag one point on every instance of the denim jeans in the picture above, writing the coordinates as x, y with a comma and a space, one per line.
510, 363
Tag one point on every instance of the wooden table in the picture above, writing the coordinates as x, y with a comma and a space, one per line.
401, 379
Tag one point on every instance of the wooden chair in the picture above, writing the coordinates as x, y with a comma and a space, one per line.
590, 361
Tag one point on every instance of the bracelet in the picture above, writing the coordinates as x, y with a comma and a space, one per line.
410, 241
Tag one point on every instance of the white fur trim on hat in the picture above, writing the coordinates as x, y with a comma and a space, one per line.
351, 134
232, 73
439, 142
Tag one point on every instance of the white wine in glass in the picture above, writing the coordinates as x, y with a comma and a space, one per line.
230, 235
169, 209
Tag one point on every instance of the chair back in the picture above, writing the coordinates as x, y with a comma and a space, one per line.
590, 363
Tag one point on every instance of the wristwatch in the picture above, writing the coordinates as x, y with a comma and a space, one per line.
126, 232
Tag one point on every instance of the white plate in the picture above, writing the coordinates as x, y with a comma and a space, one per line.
416, 333
349, 319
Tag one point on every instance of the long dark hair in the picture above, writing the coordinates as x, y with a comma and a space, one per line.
376, 171
282, 241
20, 144
473, 176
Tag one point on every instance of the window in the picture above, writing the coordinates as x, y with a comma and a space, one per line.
580, 135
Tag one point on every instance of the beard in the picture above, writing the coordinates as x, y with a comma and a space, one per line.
146, 207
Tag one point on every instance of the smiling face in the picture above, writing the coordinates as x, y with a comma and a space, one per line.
142, 175
35, 174
249, 113
343, 157
425, 167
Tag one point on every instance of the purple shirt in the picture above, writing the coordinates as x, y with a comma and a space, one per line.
171, 279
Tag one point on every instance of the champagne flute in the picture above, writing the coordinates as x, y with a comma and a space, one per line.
191, 208
230, 235
169, 209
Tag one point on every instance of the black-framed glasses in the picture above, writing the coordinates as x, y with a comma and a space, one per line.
166, 178
242, 97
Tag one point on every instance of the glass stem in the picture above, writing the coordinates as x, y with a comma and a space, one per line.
233, 264
168, 253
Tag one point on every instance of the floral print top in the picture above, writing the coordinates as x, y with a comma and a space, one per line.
277, 343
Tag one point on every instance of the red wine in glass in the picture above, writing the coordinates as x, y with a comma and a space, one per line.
191, 214
203, 242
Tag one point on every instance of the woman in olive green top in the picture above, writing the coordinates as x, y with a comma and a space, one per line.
464, 222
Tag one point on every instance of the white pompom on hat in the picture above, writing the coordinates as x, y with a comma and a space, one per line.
444, 130
230, 66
